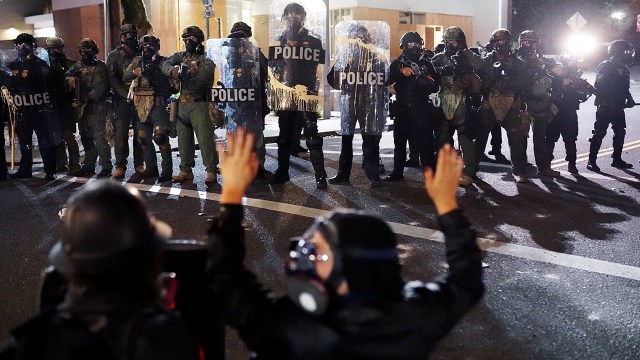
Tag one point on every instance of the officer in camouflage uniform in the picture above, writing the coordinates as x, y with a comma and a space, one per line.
150, 91
503, 80
195, 73
456, 65
92, 78
31, 86
64, 99
117, 61
537, 96
613, 96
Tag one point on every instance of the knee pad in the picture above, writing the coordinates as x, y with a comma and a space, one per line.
314, 141
160, 139
598, 134
144, 141
619, 132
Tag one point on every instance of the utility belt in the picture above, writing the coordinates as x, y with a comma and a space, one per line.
187, 99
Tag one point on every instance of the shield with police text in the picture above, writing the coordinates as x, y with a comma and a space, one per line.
238, 92
296, 51
360, 73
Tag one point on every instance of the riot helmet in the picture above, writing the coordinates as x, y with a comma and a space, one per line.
357, 31
454, 39
54, 42
362, 251
242, 27
107, 229
412, 44
500, 40
25, 44
528, 41
88, 49
129, 36
294, 15
193, 37
623, 51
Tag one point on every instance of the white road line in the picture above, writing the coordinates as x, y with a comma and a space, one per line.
524, 252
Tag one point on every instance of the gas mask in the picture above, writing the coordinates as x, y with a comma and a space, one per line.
451, 47
148, 52
502, 46
191, 43
304, 286
412, 50
88, 57
56, 58
131, 41
24, 49
527, 49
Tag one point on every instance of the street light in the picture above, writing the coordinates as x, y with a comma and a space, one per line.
618, 15
207, 14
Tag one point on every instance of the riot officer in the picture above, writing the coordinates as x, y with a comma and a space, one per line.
32, 88
149, 93
64, 99
125, 115
574, 90
612, 97
362, 103
538, 97
459, 94
414, 78
89, 80
195, 74
242, 30
294, 74
503, 80
4, 118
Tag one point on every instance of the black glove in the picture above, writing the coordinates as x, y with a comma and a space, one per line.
446, 70
629, 103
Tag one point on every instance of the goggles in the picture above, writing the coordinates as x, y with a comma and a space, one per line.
413, 45
190, 39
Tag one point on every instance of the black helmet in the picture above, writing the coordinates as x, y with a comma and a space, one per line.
193, 30
150, 40
622, 50
454, 33
242, 27
294, 8
25, 38
529, 35
411, 37
128, 29
54, 42
500, 40
107, 229
88, 44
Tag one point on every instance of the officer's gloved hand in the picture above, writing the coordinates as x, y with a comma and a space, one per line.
629, 103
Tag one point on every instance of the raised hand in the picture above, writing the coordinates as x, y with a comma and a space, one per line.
238, 165
442, 185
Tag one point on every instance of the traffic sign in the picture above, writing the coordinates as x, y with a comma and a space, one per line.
576, 21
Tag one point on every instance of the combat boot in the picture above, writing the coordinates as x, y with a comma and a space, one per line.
340, 178
119, 173
321, 183
621, 164
211, 179
520, 179
591, 165
465, 180
572, 167
549, 172
183, 176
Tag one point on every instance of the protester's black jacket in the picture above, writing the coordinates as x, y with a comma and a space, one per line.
274, 328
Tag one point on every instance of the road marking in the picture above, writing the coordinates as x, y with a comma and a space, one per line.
525, 252
494, 246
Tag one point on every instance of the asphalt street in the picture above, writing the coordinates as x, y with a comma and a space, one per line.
562, 275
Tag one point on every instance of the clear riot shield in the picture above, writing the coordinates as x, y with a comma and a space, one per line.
7, 56
296, 51
360, 73
42, 54
238, 92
